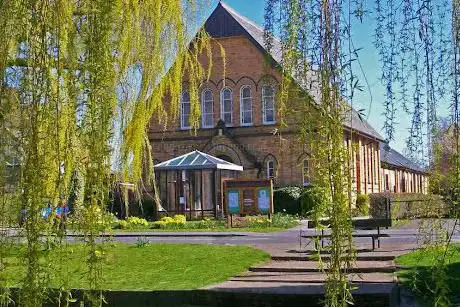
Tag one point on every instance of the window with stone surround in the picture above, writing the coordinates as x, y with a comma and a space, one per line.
207, 109
226, 106
185, 110
305, 172
246, 106
268, 104
270, 169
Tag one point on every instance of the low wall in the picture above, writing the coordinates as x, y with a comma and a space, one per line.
207, 298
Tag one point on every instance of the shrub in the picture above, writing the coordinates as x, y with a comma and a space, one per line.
136, 222
104, 219
133, 222
142, 242
180, 219
282, 220
258, 221
287, 200
122, 224
362, 204
311, 198
278, 220
176, 222
406, 205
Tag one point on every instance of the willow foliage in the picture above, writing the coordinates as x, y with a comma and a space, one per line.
63, 65
419, 53
311, 35
419, 57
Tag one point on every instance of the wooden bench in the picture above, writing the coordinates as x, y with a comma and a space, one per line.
357, 224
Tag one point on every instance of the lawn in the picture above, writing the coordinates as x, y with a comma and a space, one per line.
146, 267
421, 276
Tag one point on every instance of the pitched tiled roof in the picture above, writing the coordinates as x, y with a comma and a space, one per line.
395, 159
225, 22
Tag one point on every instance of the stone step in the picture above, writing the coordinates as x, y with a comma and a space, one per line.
279, 277
312, 266
326, 257
395, 251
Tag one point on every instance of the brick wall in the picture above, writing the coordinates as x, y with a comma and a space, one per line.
252, 147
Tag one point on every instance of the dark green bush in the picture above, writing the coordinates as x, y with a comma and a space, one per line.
287, 200
312, 197
362, 205
406, 205
298, 200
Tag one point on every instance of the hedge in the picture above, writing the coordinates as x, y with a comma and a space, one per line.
406, 205
287, 200
296, 200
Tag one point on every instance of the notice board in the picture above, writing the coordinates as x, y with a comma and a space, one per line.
250, 197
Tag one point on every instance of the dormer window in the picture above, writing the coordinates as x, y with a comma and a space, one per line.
226, 106
268, 105
207, 109
185, 110
246, 106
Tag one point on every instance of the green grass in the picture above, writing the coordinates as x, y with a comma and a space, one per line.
421, 275
150, 267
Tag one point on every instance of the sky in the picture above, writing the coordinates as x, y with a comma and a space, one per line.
372, 98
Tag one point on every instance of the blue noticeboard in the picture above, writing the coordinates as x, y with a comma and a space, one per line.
233, 201
263, 200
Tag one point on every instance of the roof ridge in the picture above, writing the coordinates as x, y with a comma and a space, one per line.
236, 14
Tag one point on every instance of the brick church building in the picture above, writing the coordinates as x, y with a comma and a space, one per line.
240, 119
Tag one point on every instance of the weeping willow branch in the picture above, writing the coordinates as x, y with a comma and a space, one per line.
313, 90
65, 61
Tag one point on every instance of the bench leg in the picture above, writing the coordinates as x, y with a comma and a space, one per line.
373, 243
322, 238
378, 238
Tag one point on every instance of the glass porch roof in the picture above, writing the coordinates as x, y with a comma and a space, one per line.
196, 160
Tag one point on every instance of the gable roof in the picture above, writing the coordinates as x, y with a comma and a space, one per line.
395, 159
224, 21
196, 160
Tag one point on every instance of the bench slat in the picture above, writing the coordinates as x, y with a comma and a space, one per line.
382, 235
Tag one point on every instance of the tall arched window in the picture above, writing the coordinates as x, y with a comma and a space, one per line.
305, 172
185, 110
268, 104
207, 112
226, 106
270, 169
246, 106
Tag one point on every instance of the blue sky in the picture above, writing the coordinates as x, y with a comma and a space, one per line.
363, 38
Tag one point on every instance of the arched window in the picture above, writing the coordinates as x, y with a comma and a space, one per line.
207, 111
246, 106
270, 169
268, 104
226, 106
185, 110
305, 172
